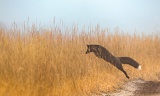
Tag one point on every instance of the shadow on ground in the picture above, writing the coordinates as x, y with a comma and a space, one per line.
148, 88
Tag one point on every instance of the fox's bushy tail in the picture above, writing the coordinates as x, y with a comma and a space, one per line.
130, 61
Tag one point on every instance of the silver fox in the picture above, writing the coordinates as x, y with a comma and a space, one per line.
103, 53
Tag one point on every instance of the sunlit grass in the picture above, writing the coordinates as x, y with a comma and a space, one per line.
53, 63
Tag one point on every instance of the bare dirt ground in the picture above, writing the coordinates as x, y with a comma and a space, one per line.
137, 87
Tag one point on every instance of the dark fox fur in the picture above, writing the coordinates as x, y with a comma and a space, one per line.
103, 53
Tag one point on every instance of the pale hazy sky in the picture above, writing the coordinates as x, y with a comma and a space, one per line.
128, 15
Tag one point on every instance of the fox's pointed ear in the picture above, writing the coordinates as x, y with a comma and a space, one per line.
87, 45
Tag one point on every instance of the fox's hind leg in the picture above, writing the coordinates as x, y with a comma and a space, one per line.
120, 67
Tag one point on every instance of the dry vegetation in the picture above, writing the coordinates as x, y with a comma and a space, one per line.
49, 62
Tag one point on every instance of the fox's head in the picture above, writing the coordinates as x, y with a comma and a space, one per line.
89, 49
96, 49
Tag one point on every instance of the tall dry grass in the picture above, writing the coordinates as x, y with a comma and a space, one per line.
49, 62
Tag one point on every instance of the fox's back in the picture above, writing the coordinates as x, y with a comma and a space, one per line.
103, 53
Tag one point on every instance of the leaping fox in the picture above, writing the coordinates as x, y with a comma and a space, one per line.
103, 53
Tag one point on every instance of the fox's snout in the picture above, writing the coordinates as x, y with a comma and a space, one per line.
87, 51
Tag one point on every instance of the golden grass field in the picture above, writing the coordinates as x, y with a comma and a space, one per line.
49, 62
